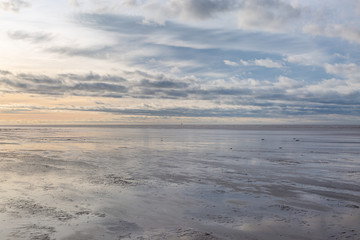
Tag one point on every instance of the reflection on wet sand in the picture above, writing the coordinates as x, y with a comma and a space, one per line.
168, 183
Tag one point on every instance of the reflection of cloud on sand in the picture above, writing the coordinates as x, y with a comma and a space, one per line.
316, 226
171, 182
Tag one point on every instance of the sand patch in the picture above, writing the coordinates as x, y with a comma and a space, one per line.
20, 207
33, 232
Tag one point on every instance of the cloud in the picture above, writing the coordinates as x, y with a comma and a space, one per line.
65, 84
307, 59
347, 32
266, 62
93, 77
163, 84
349, 71
287, 83
4, 72
35, 37
241, 98
265, 15
200, 9
101, 52
230, 63
74, 3
158, 11
262, 15
190, 37
131, 3
13, 5
96, 85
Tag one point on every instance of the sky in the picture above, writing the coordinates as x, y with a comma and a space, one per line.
179, 61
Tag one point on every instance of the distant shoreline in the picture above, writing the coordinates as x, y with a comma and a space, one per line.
198, 126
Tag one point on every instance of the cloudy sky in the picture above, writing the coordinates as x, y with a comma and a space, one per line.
173, 61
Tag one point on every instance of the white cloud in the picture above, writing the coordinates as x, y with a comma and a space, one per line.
13, 5
245, 63
330, 86
311, 58
286, 83
230, 63
350, 71
350, 33
266, 62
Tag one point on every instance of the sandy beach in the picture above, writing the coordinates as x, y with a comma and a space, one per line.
203, 183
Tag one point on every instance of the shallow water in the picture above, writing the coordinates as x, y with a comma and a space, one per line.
167, 182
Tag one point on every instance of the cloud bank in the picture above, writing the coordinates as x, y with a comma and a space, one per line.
272, 59
244, 98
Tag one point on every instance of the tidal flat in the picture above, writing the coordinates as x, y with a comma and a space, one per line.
179, 182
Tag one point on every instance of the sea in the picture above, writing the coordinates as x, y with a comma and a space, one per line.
180, 182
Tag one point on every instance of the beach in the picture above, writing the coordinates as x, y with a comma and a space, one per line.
180, 182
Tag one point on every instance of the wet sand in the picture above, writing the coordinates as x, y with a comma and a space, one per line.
178, 183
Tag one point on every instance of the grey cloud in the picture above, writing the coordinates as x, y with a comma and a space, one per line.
35, 37
38, 79
93, 76
160, 79
91, 52
14, 5
263, 99
175, 94
192, 92
200, 9
220, 92
98, 87
334, 98
163, 84
162, 94
70, 84
92, 84
4, 72
270, 15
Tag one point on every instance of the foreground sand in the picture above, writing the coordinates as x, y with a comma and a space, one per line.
153, 183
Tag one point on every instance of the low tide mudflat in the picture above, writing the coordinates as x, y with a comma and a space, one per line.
197, 182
